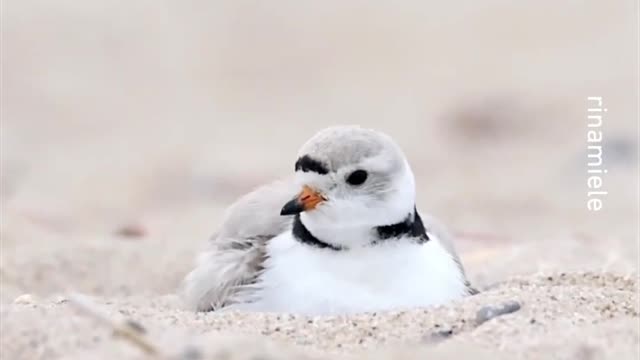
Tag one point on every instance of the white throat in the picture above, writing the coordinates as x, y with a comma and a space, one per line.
350, 226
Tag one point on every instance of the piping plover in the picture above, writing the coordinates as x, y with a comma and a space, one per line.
350, 241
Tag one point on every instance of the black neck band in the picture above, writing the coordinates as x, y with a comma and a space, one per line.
302, 234
411, 226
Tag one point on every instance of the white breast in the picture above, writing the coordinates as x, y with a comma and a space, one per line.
393, 275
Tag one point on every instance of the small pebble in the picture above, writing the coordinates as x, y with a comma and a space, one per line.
132, 230
192, 353
437, 336
489, 312
136, 326
59, 299
25, 299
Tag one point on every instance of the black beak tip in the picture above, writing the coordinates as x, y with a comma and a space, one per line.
293, 207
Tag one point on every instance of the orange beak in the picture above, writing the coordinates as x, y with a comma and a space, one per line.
307, 200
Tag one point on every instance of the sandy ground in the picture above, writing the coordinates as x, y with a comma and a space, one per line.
128, 128
575, 315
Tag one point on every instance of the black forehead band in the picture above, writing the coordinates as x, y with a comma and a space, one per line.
309, 164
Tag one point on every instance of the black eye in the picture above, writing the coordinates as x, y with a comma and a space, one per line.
357, 177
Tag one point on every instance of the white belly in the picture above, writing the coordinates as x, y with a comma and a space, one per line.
393, 275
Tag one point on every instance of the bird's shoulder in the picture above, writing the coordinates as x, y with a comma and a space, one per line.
227, 269
255, 217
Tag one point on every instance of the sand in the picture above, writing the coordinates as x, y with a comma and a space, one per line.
573, 315
128, 127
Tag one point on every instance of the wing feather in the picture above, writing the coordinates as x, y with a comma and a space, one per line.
227, 270
436, 227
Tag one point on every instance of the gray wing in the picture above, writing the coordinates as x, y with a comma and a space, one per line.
227, 270
435, 227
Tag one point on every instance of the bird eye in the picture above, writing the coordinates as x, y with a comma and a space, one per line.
357, 177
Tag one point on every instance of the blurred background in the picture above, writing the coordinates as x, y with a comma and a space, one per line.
129, 126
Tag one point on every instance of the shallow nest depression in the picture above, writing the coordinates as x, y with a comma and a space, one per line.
560, 315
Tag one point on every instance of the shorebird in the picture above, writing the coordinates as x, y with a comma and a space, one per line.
342, 236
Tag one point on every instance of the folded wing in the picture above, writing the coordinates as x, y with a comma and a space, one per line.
227, 271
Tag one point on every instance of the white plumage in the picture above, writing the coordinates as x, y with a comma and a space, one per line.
393, 275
